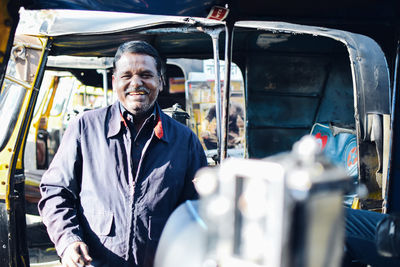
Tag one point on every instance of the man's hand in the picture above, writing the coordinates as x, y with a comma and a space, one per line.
76, 254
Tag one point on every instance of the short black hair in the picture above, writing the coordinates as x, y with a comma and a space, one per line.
140, 47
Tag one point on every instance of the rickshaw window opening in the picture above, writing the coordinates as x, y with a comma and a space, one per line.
11, 99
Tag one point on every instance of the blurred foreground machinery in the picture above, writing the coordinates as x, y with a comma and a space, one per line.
282, 211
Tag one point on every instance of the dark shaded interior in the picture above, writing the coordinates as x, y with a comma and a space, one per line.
292, 82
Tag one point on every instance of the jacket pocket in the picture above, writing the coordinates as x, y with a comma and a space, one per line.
100, 222
156, 225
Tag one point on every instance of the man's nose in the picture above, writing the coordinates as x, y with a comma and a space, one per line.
136, 81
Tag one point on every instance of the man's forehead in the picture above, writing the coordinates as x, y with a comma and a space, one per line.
138, 55
129, 56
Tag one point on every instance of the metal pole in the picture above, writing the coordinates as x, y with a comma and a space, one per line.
392, 196
103, 72
214, 34
105, 86
227, 89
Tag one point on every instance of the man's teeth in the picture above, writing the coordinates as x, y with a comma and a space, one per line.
137, 93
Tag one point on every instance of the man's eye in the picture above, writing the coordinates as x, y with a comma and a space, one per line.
146, 75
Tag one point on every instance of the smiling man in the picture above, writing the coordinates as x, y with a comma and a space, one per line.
137, 80
120, 171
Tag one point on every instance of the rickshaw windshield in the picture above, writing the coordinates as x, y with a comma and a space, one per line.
11, 99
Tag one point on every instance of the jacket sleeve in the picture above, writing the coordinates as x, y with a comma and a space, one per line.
196, 159
59, 188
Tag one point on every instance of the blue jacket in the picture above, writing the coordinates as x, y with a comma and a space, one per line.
88, 193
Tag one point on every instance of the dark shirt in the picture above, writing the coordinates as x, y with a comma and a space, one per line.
138, 138
89, 194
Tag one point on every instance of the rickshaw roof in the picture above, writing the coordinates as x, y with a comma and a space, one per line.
82, 22
289, 10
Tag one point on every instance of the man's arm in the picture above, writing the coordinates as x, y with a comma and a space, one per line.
59, 188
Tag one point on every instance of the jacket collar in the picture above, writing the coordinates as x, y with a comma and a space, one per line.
117, 120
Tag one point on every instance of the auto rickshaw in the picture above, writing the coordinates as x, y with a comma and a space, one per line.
319, 69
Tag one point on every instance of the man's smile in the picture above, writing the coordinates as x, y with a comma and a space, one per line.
138, 93
142, 90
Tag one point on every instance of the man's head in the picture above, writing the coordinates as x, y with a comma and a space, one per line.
137, 77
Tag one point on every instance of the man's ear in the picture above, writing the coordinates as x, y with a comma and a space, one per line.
113, 81
162, 81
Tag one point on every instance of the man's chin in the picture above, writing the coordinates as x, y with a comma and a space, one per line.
138, 110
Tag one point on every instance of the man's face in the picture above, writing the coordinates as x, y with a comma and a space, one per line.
136, 82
